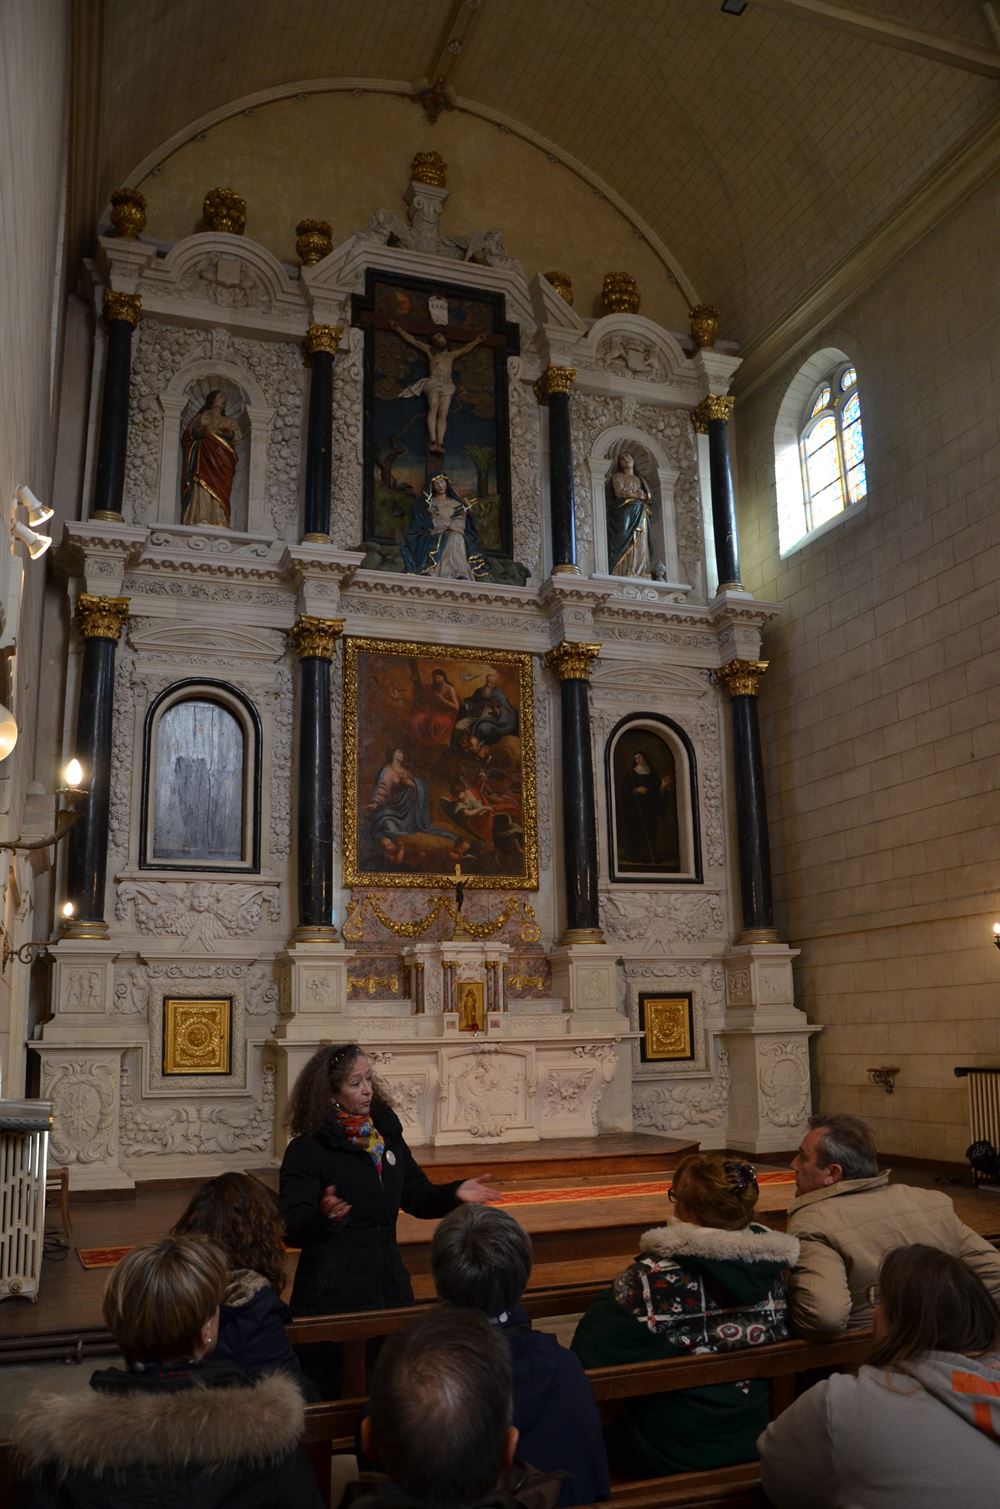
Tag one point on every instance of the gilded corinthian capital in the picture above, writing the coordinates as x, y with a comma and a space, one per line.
741, 678
122, 306
323, 338
101, 617
316, 638
554, 380
572, 662
715, 406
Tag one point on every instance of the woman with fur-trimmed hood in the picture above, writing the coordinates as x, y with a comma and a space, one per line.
710, 1281
176, 1428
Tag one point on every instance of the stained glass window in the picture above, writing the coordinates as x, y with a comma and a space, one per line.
832, 450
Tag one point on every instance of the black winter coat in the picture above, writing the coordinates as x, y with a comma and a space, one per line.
353, 1264
196, 1436
252, 1320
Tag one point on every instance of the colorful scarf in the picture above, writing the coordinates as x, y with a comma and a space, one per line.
361, 1131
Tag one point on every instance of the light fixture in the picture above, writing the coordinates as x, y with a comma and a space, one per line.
733, 7
8, 731
67, 910
74, 792
38, 512
35, 544
885, 1077
996, 934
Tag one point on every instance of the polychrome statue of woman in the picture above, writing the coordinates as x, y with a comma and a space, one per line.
209, 444
629, 512
442, 539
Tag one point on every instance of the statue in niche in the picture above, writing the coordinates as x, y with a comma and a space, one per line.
629, 513
209, 460
437, 387
442, 539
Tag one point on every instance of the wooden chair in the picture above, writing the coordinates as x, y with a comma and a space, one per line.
57, 1183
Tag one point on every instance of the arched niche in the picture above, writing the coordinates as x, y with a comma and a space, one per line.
179, 402
201, 780
651, 781
660, 475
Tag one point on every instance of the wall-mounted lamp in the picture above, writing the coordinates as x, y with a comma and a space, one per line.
74, 792
38, 512
35, 544
996, 934
884, 1077
8, 731
733, 7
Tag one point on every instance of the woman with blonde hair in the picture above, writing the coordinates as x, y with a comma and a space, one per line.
176, 1427
919, 1425
712, 1280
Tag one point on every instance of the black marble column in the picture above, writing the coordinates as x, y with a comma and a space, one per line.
712, 417
314, 640
554, 388
321, 347
121, 312
571, 663
741, 679
100, 621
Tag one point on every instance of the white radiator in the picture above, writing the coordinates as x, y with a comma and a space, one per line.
24, 1151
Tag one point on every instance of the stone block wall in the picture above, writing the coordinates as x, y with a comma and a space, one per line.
880, 710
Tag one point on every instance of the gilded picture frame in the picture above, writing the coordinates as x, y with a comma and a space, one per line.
470, 996
197, 1035
667, 1027
439, 766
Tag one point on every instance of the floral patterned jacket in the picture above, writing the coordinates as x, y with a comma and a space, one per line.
692, 1289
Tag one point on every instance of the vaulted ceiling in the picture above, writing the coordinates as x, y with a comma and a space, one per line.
761, 148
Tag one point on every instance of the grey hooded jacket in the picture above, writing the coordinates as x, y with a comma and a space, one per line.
921, 1438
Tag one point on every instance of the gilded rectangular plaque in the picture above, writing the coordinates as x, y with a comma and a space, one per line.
667, 1027
439, 766
197, 1035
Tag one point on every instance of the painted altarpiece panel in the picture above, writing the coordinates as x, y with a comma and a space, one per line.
439, 766
435, 400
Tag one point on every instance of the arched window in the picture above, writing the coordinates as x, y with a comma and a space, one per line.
201, 784
832, 448
819, 448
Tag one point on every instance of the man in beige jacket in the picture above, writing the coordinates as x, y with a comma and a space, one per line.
847, 1216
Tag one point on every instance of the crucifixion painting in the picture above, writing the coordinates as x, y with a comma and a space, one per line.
435, 404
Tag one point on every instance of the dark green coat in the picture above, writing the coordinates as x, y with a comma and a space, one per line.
692, 1289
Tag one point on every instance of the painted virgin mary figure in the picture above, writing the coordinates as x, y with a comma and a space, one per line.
442, 539
629, 511
209, 463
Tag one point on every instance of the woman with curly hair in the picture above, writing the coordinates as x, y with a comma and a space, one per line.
240, 1215
345, 1176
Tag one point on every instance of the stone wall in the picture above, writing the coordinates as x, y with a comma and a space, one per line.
880, 708
33, 93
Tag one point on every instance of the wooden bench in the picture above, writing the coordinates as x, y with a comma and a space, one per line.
331, 1427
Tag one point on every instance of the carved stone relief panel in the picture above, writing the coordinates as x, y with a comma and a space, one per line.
671, 1107
784, 1081
83, 1089
525, 469
195, 1127
347, 454
650, 919
201, 913
487, 1092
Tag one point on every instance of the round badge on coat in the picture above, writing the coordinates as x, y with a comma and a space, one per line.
390, 1157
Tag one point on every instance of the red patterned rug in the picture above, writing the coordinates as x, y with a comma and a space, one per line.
108, 1257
